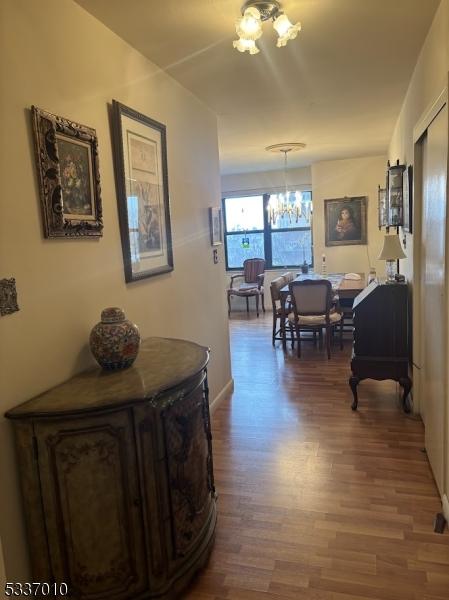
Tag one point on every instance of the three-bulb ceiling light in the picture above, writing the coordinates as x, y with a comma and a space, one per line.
249, 26
287, 204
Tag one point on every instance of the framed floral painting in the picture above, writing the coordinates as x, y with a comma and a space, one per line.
140, 156
69, 176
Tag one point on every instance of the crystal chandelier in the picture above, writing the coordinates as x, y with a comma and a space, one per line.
287, 204
249, 26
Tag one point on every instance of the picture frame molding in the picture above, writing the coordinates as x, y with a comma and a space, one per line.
117, 111
47, 127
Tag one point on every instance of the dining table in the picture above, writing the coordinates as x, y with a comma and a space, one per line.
343, 288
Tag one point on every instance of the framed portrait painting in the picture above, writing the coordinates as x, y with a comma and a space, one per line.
69, 176
140, 153
345, 221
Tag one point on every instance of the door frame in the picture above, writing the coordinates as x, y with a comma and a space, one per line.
418, 327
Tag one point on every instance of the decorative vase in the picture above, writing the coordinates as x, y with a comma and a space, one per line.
304, 267
114, 341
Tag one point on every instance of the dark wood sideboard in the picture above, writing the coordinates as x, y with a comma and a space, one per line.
117, 476
381, 337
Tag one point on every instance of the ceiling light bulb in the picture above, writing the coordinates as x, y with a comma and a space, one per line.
244, 45
249, 26
286, 30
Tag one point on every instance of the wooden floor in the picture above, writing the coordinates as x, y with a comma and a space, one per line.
317, 502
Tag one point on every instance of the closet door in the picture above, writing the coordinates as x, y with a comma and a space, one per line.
434, 314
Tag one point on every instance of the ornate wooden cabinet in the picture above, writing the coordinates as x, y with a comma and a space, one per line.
381, 337
117, 476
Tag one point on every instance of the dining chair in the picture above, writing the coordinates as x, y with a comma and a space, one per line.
313, 310
275, 291
252, 285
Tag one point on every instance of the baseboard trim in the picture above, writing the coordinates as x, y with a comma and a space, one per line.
225, 392
445, 502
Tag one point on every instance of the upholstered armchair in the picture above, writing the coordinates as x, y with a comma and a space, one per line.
252, 285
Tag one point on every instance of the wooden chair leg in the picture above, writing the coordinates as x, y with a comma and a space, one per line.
263, 303
257, 304
292, 334
328, 341
320, 339
229, 305
314, 337
275, 318
341, 335
247, 304
298, 339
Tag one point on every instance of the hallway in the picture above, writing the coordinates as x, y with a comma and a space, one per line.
315, 501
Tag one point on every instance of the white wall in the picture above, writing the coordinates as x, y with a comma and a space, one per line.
266, 181
429, 79
58, 57
337, 179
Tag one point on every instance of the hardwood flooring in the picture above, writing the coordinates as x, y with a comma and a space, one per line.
317, 502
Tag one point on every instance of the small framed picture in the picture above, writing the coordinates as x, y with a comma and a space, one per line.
408, 199
69, 176
140, 157
216, 230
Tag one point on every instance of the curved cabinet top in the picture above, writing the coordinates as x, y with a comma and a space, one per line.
161, 365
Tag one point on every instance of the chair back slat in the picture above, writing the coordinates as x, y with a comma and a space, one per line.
252, 267
275, 289
311, 297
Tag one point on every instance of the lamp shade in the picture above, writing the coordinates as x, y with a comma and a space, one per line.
392, 249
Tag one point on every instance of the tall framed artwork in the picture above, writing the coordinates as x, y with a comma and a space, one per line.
140, 157
345, 221
69, 176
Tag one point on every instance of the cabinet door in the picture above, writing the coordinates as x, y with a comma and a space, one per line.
91, 505
190, 486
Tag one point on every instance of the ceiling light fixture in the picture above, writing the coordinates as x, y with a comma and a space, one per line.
288, 204
249, 26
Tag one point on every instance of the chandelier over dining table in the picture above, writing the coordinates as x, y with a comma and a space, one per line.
287, 204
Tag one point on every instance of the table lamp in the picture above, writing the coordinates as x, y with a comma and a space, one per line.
391, 252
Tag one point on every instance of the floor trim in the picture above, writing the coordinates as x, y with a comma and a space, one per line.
225, 392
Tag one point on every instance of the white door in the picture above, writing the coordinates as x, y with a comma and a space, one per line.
433, 408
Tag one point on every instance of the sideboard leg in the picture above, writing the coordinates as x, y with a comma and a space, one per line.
353, 382
406, 384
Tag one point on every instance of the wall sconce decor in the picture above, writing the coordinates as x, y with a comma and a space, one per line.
407, 180
382, 206
395, 194
391, 200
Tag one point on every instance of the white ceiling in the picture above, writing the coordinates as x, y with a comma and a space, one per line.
338, 86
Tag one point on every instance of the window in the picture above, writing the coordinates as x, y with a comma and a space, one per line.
250, 234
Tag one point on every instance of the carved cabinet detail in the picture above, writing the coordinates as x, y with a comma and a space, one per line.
117, 474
